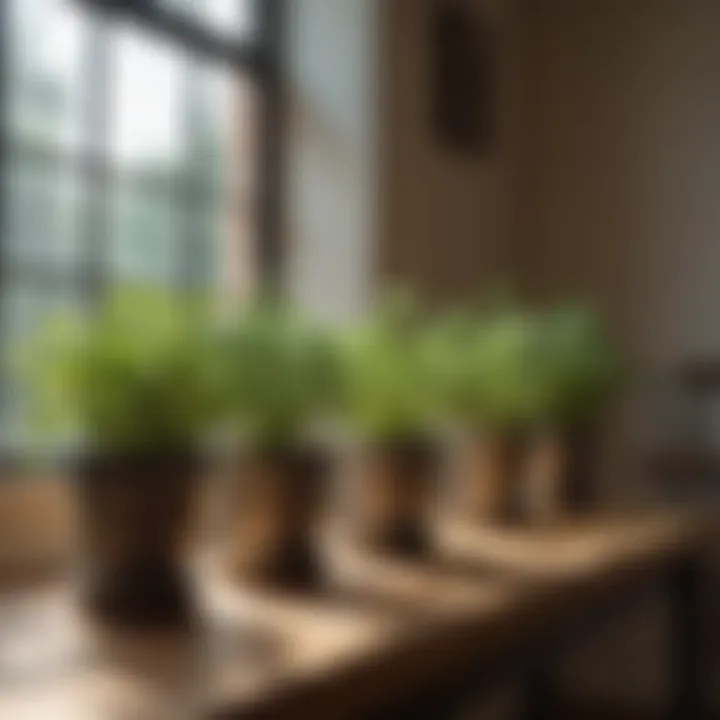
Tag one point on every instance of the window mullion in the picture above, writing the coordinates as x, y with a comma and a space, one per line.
272, 24
98, 177
184, 189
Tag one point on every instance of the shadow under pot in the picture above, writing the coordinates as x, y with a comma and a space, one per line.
392, 492
136, 512
487, 469
278, 498
560, 475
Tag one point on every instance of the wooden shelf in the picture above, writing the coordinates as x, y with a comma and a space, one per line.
381, 629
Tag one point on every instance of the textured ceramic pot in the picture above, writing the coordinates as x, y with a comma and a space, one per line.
278, 498
559, 476
485, 471
392, 496
136, 512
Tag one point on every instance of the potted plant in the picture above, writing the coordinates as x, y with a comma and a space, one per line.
492, 395
280, 376
577, 369
390, 401
128, 392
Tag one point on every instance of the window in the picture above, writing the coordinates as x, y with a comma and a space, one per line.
231, 19
130, 155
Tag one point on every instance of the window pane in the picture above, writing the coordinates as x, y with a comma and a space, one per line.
228, 18
27, 305
145, 236
220, 118
221, 167
42, 214
47, 40
204, 241
26, 308
180, 138
147, 118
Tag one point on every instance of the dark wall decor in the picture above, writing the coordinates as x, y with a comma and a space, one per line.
462, 76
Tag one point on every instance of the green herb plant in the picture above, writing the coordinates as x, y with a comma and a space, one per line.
491, 381
577, 363
137, 375
281, 376
391, 375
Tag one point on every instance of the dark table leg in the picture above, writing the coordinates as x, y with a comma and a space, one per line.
540, 696
687, 648
447, 701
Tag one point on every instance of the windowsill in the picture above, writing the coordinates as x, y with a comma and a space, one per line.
38, 528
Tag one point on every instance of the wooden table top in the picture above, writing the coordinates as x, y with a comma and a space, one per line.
380, 628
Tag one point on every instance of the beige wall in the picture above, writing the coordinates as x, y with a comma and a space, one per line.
625, 165
602, 181
622, 172
619, 200
444, 214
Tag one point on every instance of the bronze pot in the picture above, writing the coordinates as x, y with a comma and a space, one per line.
392, 496
137, 512
559, 474
486, 473
279, 496
582, 468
